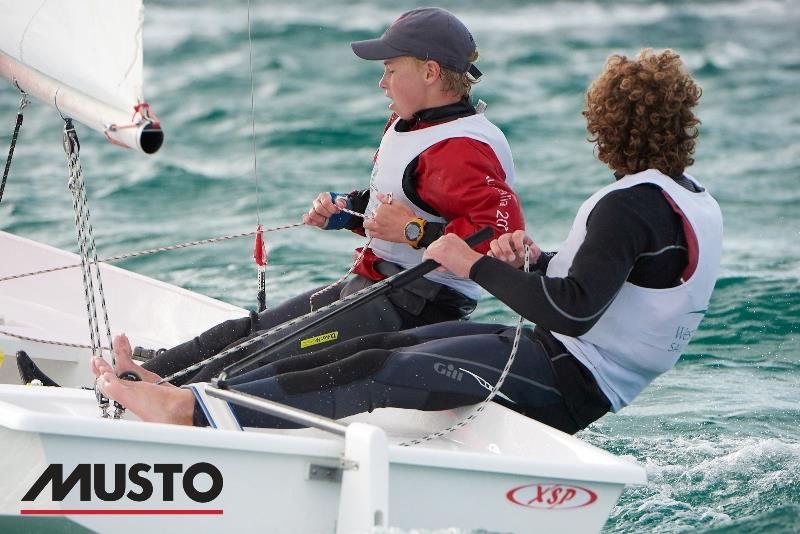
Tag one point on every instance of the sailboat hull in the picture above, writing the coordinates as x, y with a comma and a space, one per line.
503, 472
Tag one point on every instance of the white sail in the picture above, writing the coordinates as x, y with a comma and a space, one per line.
85, 58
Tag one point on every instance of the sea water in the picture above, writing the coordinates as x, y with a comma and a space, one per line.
718, 434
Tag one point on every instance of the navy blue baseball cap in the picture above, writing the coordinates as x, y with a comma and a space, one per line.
424, 33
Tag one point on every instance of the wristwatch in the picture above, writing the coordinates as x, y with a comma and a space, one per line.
415, 231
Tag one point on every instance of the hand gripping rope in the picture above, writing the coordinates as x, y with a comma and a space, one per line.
358, 259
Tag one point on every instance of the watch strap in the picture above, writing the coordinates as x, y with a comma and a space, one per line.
433, 231
419, 222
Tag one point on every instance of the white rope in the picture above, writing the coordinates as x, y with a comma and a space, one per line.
343, 277
253, 118
151, 251
355, 262
49, 342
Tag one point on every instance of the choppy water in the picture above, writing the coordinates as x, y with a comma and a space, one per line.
718, 434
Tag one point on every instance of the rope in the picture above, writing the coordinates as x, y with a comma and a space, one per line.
261, 294
86, 243
474, 415
343, 277
23, 102
253, 117
121, 257
48, 342
150, 251
89, 263
355, 263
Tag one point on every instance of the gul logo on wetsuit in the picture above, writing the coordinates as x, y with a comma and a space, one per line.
139, 483
551, 496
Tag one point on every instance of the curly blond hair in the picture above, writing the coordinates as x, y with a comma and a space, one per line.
639, 113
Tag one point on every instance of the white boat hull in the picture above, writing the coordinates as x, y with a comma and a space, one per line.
503, 472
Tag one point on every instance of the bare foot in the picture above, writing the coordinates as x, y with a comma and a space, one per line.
151, 403
124, 362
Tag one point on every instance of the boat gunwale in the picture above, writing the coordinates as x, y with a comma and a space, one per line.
614, 470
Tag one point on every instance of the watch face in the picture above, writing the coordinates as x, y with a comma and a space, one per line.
413, 230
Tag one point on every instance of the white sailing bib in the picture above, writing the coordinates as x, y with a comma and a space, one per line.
643, 331
397, 150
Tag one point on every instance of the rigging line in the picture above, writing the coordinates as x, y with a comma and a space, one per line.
22, 104
83, 226
253, 118
356, 262
150, 251
49, 341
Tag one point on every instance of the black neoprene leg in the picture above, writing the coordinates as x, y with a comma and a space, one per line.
217, 338
302, 362
384, 340
198, 348
438, 374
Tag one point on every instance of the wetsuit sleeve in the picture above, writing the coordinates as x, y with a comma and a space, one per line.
462, 180
617, 232
543, 261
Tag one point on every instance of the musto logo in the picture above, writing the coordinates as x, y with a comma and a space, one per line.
551, 496
140, 483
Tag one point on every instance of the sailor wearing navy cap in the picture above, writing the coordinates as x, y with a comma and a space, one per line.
447, 170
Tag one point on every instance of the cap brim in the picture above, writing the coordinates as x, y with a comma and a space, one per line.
375, 49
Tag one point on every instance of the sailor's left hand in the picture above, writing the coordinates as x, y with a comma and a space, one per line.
389, 221
323, 208
453, 254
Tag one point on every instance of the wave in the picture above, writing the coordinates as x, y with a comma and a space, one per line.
706, 481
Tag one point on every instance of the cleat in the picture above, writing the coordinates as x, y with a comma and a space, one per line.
30, 372
141, 354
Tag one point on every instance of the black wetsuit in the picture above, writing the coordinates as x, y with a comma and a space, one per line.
421, 302
632, 234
